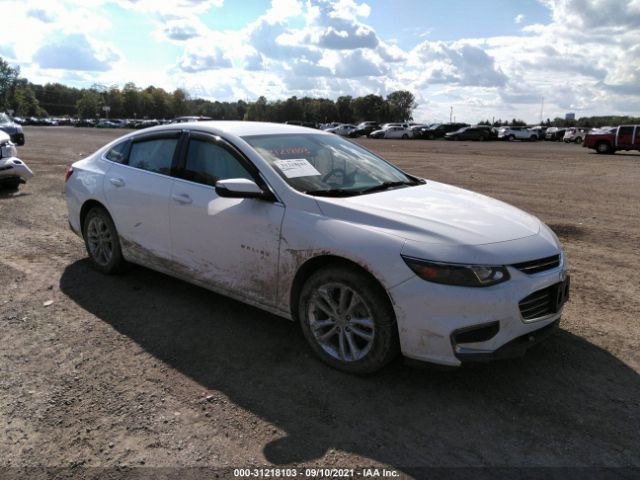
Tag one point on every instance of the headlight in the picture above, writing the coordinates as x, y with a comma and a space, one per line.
7, 150
456, 274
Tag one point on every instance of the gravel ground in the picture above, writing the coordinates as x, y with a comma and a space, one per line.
145, 370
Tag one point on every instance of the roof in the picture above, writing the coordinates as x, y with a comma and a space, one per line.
241, 128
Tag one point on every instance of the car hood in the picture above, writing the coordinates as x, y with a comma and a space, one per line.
435, 213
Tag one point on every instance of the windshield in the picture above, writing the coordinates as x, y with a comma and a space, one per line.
320, 164
4, 118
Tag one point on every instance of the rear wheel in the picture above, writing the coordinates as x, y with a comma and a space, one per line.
534, 138
405, 136
578, 140
348, 320
511, 138
102, 241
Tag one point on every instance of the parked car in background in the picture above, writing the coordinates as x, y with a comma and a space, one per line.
439, 130
344, 130
107, 124
365, 129
554, 134
13, 171
11, 128
516, 133
624, 137
416, 130
369, 260
84, 122
574, 135
393, 131
475, 133
288, 122
540, 130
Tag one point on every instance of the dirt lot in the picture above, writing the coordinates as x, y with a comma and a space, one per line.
143, 369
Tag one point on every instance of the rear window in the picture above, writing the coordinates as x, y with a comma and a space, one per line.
118, 153
153, 155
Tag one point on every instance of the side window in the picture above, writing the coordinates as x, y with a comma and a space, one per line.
207, 163
626, 131
153, 155
117, 153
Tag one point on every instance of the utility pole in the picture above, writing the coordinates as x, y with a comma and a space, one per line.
451, 114
541, 108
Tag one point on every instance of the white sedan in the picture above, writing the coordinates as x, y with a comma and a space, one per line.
370, 260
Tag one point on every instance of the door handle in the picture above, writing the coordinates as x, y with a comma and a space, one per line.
117, 181
182, 198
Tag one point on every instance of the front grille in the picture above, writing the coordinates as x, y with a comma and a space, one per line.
540, 265
544, 302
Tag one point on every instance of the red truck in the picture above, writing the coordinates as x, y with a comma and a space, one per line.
610, 140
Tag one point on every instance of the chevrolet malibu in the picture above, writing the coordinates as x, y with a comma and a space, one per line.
370, 260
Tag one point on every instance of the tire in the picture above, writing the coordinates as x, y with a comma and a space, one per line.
329, 320
11, 185
404, 136
603, 147
102, 242
511, 138
534, 138
578, 140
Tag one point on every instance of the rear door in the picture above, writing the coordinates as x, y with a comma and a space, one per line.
137, 192
230, 244
625, 137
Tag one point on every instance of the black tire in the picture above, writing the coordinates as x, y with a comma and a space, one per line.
383, 347
10, 185
113, 263
578, 140
534, 138
405, 136
511, 138
603, 147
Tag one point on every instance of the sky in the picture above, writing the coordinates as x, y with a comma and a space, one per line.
480, 59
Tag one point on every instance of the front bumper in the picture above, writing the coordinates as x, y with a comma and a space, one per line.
431, 318
12, 167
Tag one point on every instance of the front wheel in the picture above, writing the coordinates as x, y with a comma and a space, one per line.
603, 147
102, 242
405, 136
511, 138
348, 320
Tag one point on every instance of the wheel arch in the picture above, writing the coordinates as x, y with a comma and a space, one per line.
312, 265
86, 208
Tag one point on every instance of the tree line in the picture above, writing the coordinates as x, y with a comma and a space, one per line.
27, 99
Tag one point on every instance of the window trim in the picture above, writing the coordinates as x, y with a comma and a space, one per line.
225, 145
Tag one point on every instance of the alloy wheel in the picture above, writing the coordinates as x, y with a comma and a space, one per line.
341, 322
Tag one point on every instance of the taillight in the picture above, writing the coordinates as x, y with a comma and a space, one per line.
68, 174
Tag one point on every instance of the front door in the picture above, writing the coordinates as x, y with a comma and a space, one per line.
230, 244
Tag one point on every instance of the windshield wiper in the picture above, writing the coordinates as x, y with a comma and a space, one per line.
386, 186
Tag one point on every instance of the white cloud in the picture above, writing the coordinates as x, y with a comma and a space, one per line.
75, 52
518, 19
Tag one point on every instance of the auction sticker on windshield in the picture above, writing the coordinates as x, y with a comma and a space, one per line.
296, 167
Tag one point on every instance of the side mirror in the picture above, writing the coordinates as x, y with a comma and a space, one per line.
241, 188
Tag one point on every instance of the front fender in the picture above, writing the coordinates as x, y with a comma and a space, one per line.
308, 235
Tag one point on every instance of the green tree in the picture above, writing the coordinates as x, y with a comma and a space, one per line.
402, 104
89, 104
344, 109
8, 79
